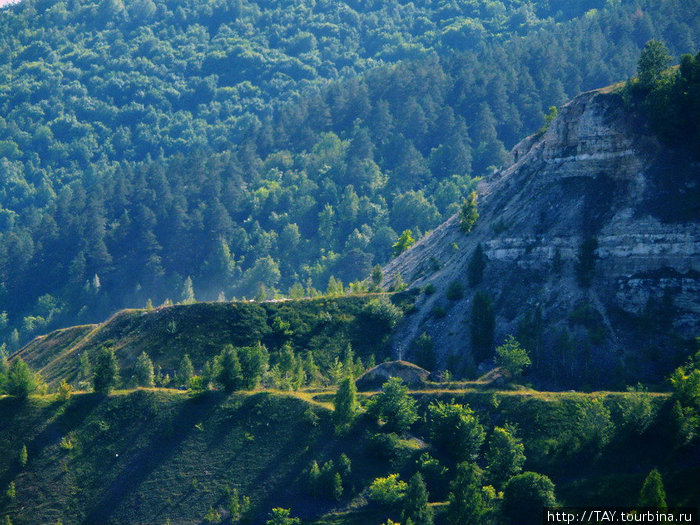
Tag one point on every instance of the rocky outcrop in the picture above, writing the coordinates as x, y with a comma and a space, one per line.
374, 378
593, 180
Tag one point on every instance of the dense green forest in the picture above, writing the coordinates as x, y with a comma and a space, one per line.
179, 151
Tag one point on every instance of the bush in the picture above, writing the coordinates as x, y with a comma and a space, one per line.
387, 491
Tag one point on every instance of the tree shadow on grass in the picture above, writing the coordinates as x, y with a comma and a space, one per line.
167, 438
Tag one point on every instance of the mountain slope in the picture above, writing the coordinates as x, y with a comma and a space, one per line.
592, 242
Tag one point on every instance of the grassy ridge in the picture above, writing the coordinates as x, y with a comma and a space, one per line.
146, 456
323, 325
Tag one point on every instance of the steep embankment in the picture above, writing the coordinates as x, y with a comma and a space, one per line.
592, 250
325, 326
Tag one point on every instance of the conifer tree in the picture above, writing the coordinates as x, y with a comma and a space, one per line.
187, 296
143, 371
228, 369
21, 381
466, 501
185, 370
23, 457
106, 372
345, 403
653, 493
468, 213
416, 507
477, 264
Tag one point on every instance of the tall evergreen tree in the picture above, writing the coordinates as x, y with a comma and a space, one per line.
466, 501
653, 493
345, 404
415, 507
228, 369
185, 370
483, 325
143, 371
106, 375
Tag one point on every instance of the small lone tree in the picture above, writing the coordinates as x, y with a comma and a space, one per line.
143, 371
387, 491
653, 493
468, 213
345, 403
106, 372
512, 357
415, 506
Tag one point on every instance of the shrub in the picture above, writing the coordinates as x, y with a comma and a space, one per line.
387, 491
280, 516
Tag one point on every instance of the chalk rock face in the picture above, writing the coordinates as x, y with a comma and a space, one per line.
596, 186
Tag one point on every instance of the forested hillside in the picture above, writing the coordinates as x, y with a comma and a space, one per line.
180, 151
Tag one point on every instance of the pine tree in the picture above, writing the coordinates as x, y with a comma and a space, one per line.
345, 403
143, 371
653, 493
187, 296
85, 373
254, 362
228, 369
185, 370
21, 382
477, 264
23, 456
106, 372
468, 213
466, 501
337, 487
483, 325
11, 492
416, 506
